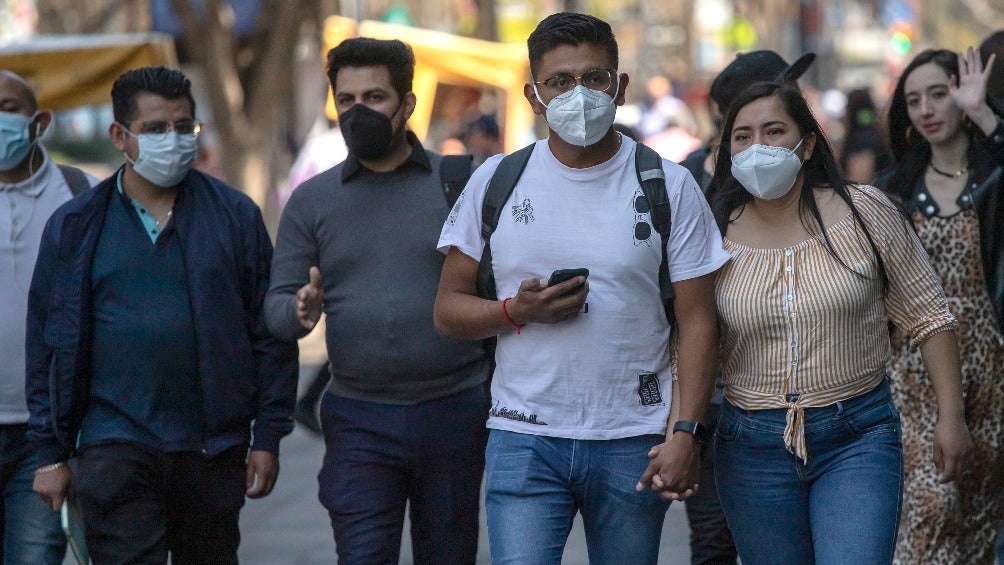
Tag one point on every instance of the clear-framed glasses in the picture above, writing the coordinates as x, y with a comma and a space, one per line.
594, 79
159, 129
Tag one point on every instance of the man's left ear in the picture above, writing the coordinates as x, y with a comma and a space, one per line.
42, 120
621, 89
409, 105
808, 146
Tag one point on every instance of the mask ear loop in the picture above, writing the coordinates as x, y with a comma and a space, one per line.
31, 181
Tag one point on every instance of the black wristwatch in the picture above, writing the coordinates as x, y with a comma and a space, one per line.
695, 429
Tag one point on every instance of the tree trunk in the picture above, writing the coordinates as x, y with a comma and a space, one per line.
245, 113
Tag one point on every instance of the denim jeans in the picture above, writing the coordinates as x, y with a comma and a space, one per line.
30, 529
1000, 546
842, 507
380, 458
536, 484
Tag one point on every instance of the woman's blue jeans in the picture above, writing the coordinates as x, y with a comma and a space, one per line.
841, 507
534, 485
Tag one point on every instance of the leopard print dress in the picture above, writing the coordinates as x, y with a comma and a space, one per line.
953, 523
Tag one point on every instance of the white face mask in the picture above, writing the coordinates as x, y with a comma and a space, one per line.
765, 171
164, 159
581, 116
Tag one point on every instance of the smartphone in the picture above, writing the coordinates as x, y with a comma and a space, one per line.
561, 275
73, 527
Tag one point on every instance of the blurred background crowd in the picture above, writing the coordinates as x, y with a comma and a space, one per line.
257, 67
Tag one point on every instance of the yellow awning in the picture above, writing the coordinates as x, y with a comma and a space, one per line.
450, 59
67, 71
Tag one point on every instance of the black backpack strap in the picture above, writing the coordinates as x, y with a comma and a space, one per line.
652, 178
499, 189
454, 171
75, 179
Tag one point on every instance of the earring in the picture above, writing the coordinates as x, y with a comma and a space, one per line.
909, 134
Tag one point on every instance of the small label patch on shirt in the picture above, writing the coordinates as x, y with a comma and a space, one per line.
648, 389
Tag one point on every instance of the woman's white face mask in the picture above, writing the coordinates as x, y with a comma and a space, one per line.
765, 171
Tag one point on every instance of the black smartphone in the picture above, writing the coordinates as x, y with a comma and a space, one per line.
561, 275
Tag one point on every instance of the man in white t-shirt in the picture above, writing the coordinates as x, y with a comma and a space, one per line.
583, 387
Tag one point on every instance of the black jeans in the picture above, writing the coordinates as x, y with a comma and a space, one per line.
710, 538
139, 503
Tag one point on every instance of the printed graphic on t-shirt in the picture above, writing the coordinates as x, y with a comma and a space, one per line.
452, 218
648, 389
499, 411
642, 228
523, 213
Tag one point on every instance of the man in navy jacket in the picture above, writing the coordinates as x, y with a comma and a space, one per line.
149, 367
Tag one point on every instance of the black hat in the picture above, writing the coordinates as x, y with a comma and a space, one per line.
755, 66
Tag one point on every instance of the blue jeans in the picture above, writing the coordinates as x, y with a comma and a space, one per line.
30, 529
1000, 546
842, 507
536, 484
379, 458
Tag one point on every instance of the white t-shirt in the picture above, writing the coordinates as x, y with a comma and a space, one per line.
604, 374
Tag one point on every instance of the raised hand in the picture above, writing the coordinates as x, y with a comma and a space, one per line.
969, 88
310, 300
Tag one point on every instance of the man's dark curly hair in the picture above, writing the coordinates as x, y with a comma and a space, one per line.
394, 54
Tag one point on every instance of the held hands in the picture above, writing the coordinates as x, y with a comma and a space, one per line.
673, 468
537, 302
953, 446
310, 299
969, 88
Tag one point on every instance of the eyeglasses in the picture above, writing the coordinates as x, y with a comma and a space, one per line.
160, 129
595, 79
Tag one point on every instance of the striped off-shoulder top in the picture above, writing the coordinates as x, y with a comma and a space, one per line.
801, 330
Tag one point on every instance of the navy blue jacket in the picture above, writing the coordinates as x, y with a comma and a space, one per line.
247, 375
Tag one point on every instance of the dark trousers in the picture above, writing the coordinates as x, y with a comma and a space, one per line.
138, 504
710, 539
381, 457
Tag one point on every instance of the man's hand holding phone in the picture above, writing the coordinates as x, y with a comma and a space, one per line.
560, 299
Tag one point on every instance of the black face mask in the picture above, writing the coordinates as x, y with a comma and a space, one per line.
368, 134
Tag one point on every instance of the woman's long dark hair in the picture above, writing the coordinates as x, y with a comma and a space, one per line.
911, 151
726, 194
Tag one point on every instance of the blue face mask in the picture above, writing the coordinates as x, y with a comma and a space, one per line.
15, 139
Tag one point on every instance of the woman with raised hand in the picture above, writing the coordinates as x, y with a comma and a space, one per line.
808, 447
949, 149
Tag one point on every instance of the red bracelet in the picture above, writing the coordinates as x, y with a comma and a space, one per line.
505, 313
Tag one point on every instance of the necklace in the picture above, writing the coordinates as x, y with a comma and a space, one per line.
954, 175
161, 223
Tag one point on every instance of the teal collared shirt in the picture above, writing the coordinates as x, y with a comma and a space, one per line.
149, 222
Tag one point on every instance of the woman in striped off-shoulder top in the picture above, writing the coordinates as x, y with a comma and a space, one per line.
808, 449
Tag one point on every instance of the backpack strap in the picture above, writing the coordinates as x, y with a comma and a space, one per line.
75, 179
500, 187
454, 172
648, 165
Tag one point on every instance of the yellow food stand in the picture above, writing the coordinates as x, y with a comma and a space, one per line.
451, 59
67, 71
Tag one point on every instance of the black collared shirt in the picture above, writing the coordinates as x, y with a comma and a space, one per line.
418, 158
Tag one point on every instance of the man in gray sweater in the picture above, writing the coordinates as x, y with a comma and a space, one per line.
404, 414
